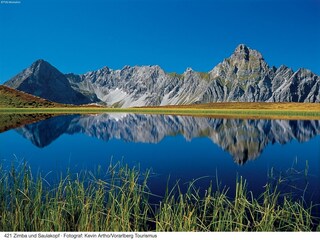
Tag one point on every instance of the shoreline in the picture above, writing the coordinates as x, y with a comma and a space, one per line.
287, 114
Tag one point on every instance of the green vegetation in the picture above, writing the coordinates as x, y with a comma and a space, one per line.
242, 110
175, 75
16, 102
295, 111
117, 104
120, 202
205, 76
11, 98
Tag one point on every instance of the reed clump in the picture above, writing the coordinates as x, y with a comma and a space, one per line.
120, 202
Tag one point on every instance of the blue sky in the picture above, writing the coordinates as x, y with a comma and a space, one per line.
79, 36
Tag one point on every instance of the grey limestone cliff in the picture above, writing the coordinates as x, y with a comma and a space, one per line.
43, 80
244, 77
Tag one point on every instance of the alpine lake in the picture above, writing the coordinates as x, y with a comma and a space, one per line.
176, 149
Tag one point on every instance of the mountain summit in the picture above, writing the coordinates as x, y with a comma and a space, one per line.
242, 52
244, 77
43, 80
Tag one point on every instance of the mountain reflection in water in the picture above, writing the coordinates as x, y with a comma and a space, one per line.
243, 139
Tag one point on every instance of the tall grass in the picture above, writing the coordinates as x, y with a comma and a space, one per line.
120, 202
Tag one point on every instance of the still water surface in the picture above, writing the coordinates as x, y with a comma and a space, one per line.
184, 148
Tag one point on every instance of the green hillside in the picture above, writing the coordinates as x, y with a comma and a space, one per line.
11, 98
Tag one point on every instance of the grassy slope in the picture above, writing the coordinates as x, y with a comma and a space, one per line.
11, 98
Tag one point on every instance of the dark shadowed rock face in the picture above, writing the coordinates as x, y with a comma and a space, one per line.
43, 80
244, 77
243, 139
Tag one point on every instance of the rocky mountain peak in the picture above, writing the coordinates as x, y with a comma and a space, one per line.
40, 62
126, 67
43, 80
42, 66
242, 49
244, 76
304, 72
242, 52
282, 68
103, 70
244, 65
188, 72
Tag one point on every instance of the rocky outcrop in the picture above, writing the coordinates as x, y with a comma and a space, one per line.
244, 77
45, 81
301, 86
243, 139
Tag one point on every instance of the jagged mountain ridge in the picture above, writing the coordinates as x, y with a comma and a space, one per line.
43, 80
243, 139
244, 77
